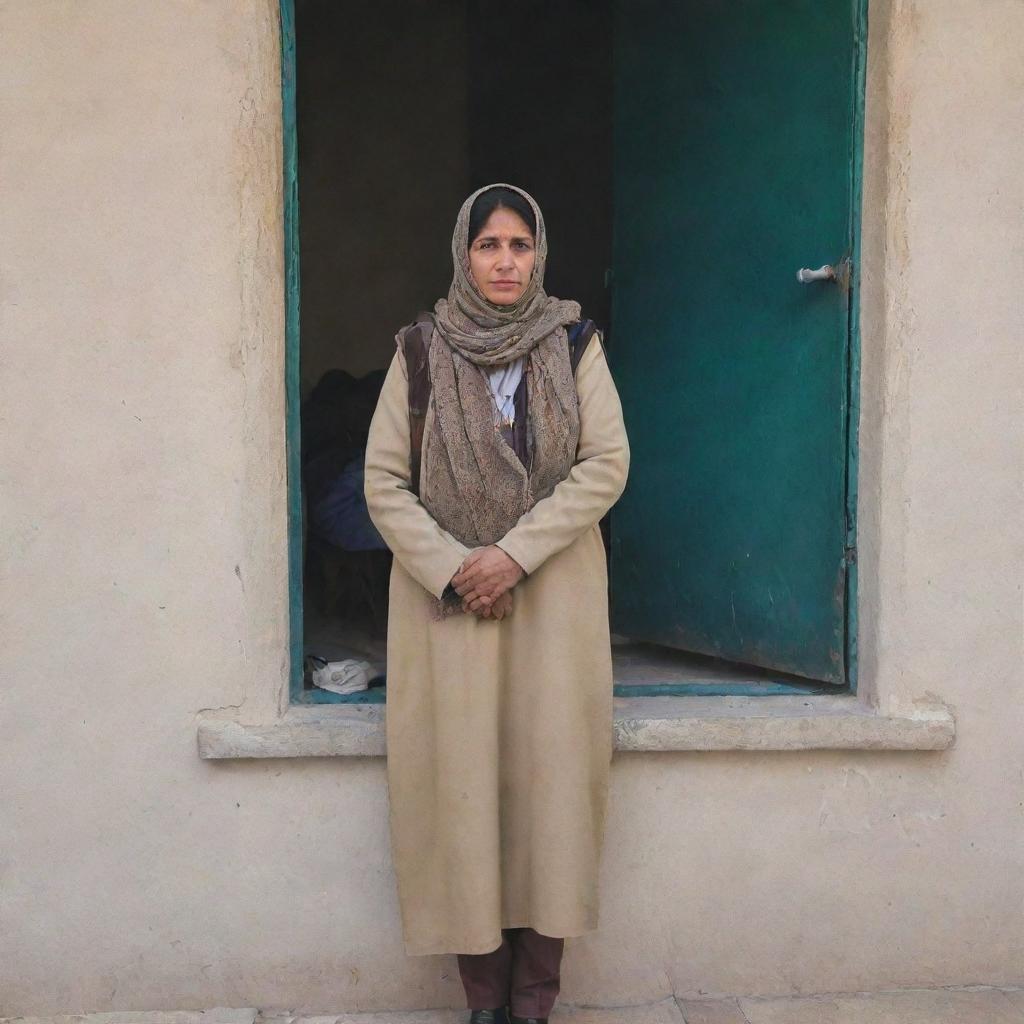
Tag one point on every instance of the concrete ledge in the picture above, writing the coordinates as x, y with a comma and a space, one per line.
641, 724
775, 723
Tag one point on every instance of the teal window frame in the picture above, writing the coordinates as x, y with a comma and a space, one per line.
293, 400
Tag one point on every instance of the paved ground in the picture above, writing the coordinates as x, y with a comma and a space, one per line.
962, 1005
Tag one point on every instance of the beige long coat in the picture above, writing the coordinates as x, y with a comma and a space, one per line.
499, 734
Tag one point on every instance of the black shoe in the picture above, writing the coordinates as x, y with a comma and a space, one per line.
513, 1019
498, 1016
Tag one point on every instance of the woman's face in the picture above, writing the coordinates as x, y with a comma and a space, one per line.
501, 257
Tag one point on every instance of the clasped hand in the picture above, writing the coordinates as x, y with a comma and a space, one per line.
485, 581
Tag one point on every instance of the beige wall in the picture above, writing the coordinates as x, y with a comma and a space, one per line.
144, 544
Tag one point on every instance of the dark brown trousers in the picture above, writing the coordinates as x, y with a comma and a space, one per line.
523, 973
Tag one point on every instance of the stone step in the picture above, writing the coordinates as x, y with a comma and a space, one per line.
218, 1015
664, 1012
973, 1004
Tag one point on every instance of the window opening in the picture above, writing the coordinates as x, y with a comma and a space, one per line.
390, 139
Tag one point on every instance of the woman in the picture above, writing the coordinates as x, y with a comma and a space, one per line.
499, 716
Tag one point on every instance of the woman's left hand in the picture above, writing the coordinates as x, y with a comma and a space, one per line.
486, 574
501, 609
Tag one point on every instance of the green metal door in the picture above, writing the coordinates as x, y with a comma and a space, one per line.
734, 167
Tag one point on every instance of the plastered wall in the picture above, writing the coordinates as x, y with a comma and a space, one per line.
143, 519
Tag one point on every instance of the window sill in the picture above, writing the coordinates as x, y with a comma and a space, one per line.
641, 724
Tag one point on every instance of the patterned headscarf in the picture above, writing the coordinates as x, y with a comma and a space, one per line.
490, 335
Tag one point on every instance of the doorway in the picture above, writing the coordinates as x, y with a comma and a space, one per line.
401, 110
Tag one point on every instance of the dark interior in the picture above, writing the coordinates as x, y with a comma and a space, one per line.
403, 110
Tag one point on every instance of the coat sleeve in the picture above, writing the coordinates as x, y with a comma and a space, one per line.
429, 554
595, 481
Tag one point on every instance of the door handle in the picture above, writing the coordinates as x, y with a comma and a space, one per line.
840, 273
823, 273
